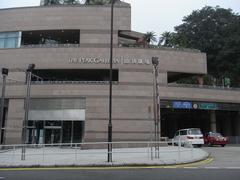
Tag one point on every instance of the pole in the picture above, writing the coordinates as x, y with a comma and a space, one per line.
4, 74
26, 106
158, 111
156, 105
110, 90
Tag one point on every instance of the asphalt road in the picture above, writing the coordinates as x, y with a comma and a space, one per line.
224, 157
225, 165
132, 174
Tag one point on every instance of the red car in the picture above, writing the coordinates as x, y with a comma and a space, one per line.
212, 138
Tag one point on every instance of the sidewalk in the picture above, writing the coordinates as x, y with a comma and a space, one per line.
56, 156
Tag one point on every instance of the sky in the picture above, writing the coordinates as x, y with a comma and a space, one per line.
152, 15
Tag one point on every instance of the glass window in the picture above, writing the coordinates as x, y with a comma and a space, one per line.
194, 132
184, 132
9, 39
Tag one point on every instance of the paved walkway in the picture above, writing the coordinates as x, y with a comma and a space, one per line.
56, 156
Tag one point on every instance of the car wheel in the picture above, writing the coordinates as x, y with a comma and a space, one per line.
199, 145
223, 145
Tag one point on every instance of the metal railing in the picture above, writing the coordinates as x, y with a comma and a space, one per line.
61, 82
94, 153
202, 86
50, 46
147, 46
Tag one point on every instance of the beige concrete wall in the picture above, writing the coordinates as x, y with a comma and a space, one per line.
130, 107
130, 119
96, 39
64, 17
125, 90
14, 121
58, 58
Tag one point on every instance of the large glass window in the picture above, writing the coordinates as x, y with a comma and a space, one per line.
76, 74
50, 38
9, 39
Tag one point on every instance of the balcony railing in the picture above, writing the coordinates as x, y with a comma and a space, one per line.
116, 82
202, 86
159, 47
50, 46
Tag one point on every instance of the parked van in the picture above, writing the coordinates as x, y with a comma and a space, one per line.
192, 136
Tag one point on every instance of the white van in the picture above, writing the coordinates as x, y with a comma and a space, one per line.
192, 136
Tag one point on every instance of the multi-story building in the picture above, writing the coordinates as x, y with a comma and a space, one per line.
69, 46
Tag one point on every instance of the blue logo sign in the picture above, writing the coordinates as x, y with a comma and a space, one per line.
182, 105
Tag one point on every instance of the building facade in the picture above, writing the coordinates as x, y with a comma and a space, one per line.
70, 84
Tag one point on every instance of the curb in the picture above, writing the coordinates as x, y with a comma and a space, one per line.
205, 160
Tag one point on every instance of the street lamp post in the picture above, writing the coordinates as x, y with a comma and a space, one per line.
156, 106
110, 89
4, 74
26, 106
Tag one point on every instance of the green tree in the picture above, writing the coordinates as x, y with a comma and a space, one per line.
171, 39
52, 2
150, 37
215, 31
98, 2
71, 2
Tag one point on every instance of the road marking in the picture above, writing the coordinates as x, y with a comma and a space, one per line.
221, 167
2, 177
191, 167
232, 167
212, 167
187, 165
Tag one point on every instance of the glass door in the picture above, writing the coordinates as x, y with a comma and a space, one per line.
52, 136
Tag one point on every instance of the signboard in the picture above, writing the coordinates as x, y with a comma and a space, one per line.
199, 105
182, 105
117, 60
210, 106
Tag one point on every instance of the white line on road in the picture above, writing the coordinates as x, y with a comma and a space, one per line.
232, 167
2, 177
190, 167
221, 167
212, 167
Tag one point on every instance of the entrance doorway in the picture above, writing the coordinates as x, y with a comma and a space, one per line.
52, 136
54, 132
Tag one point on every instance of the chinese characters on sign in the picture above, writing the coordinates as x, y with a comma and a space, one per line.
121, 60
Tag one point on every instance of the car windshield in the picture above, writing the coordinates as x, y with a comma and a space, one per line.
216, 135
195, 131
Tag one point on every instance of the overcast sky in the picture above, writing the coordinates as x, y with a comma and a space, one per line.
152, 15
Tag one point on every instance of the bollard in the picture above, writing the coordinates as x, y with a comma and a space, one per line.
179, 146
191, 151
14, 148
75, 153
43, 152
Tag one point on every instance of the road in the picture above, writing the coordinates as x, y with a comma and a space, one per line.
225, 165
224, 157
130, 174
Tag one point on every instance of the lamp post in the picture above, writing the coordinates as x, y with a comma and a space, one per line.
4, 74
156, 106
26, 106
110, 89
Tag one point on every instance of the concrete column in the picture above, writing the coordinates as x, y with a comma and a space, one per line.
237, 125
227, 127
213, 124
200, 80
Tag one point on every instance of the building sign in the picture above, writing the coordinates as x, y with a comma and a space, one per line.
200, 105
210, 106
182, 105
121, 60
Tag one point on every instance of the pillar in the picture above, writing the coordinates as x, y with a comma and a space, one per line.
200, 80
237, 125
227, 127
213, 124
